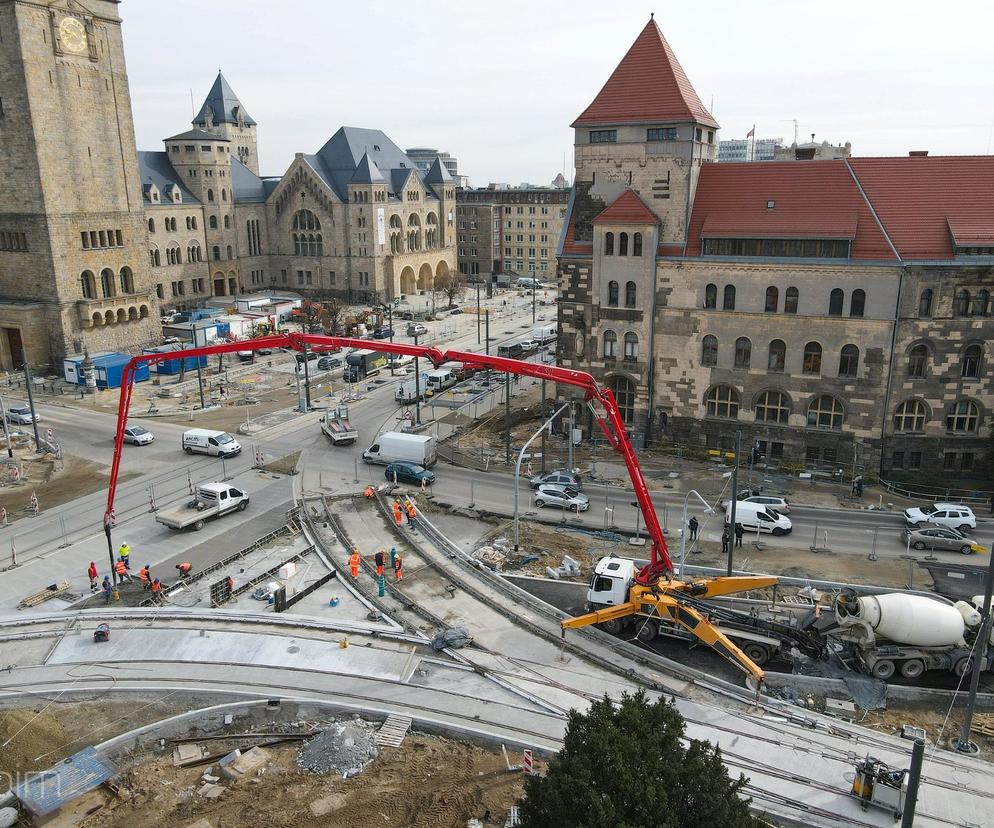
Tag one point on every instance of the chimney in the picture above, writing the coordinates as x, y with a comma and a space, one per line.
917, 153
812, 137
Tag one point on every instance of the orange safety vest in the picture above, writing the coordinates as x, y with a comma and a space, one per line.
156, 586
143, 575
120, 568
411, 511
354, 560
370, 491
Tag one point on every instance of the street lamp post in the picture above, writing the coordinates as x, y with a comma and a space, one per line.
517, 468
708, 510
478, 320
417, 385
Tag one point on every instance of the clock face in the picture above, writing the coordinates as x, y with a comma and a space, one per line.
72, 35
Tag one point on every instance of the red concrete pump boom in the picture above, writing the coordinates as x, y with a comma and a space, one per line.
609, 419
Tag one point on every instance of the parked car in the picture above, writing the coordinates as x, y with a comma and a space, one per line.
329, 363
21, 415
779, 504
309, 356
408, 473
557, 477
455, 311
941, 537
416, 329
528, 345
138, 435
567, 497
246, 356
951, 515
383, 333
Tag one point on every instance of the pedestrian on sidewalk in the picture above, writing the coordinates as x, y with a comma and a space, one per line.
92, 574
739, 532
398, 568
124, 553
724, 541
693, 525
379, 558
859, 486
354, 561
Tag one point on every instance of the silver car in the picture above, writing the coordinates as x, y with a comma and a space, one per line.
21, 415
138, 435
941, 537
568, 497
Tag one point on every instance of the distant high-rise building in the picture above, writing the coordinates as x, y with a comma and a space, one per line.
423, 157
738, 149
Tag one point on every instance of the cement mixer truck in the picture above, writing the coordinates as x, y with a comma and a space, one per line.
897, 632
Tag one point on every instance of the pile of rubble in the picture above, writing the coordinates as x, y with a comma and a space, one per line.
344, 747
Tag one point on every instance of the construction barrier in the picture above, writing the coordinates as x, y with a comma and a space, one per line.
260, 459
51, 436
424, 484
529, 764
34, 503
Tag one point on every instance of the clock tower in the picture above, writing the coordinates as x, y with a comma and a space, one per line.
74, 262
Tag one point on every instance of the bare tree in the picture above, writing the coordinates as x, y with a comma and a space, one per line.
313, 316
451, 286
334, 311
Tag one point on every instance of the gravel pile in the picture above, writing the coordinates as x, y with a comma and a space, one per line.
345, 748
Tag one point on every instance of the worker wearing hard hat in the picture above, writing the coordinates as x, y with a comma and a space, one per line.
124, 553
354, 561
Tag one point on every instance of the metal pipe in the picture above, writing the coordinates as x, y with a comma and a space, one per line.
963, 744
507, 418
735, 497
6, 433
307, 383
31, 402
517, 469
914, 778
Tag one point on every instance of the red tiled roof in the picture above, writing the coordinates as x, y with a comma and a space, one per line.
920, 199
818, 197
765, 223
972, 231
627, 208
649, 85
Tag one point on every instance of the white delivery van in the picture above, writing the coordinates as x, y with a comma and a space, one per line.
392, 446
752, 515
214, 443
545, 334
441, 379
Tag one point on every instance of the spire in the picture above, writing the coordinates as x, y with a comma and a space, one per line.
222, 106
367, 172
648, 86
438, 173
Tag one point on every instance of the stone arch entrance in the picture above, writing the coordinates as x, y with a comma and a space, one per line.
219, 284
408, 284
425, 278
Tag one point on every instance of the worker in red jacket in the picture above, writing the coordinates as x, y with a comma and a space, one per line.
93, 575
184, 568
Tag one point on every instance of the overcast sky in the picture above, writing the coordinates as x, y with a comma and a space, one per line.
498, 84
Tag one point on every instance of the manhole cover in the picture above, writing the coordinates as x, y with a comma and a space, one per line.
293, 649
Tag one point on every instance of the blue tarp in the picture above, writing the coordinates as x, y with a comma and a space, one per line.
45, 792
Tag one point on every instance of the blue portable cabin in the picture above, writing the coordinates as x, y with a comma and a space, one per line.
173, 366
108, 368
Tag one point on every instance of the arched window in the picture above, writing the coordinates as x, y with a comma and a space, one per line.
961, 303
212, 222
911, 415
637, 244
107, 282
848, 361
812, 358
711, 296
970, 366
612, 294
778, 357
826, 412
918, 360
981, 303
87, 285
722, 401
610, 345
228, 251
773, 407
925, 303
790, 300
630, 294
153, 255
857, 302
127, 280
609, 244
210, 195
772, 299
151, 225
215, 253
624, 395
631, 346
962, 417
224, 194
835, 301
729, 298
305, 220
709, 350
743, 352
622, 244
227, 222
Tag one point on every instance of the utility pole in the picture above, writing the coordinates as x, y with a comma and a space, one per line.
735, 497
507, 415
569, 439
478, 320
417, 386
534, 291
307, 382
31, 402
6, 432
488, 332
963, 744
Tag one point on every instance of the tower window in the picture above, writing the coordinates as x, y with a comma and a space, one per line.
603, 136
660, 134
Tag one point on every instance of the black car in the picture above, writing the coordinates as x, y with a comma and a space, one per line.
383, 333
328, 363
309, 356
411, 473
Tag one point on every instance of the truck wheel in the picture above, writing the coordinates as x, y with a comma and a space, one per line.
614, 626
918, 545
912, 668
188, 450
963, 666
758, 653
965, 549
198, 525
883, 669
646, 630
242, 505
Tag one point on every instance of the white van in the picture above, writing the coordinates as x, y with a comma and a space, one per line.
441, 379
752, 515
214, 443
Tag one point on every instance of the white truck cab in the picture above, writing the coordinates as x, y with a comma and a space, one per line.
610, 582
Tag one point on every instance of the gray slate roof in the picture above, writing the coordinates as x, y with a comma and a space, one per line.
196, 134
367, 172
223, 101
246, 185
437, 173
154, 168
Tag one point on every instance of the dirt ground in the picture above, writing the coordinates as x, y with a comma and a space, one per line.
427, 781
890, 721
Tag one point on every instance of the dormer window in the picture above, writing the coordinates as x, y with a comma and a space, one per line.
770, 204
376, 148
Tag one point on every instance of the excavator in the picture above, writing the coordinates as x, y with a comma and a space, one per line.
654, 589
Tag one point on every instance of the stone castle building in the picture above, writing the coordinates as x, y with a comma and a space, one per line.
96, 238
827, 309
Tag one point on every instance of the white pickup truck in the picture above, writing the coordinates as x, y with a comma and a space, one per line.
211, 500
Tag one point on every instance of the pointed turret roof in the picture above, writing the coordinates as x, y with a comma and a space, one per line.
649, 85
437, 173
627, 208
367, 172
224, 104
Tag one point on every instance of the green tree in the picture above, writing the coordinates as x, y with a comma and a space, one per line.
629, 766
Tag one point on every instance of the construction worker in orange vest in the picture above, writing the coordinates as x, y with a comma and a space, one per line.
156, 588
379, 558
144, 576
370, 492
398, 513
398, 568
354, 561
184, 568
412, 515
122, 572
